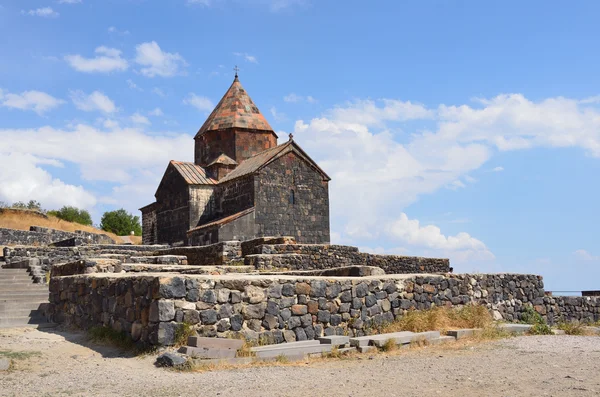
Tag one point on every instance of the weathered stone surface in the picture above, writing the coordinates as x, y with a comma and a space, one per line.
254, 294
162, 310
170, 360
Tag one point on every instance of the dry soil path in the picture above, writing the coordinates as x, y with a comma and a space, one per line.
65, 364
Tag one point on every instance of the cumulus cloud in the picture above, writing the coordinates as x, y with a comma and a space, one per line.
98, 155
412, 233
157, 112
139, 119
106, 60
28, 181
156, 62
69, 1
96, 101
201, 103
38, 101
46, 12
498, 169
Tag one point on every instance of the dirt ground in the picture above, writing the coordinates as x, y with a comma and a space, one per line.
58, 363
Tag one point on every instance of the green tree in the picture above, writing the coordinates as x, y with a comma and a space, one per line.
31, 205
121, 223
73, 214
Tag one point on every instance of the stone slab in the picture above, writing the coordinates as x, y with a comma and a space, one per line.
463, 332
558, 332
294, 352
207, 352
215, 343
594, 330
442, 339
366, 349
336, 340
4, 364
290, 345
515, 328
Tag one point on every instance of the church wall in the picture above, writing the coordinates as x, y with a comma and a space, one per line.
306, 216
149, 225
235, 196
173, 211
202, 204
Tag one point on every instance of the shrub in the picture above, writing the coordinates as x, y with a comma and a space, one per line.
121, 223
442, 319
530, 316
73, 214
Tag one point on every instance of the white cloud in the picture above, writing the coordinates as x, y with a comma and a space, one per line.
246, 56
114, 30
38, 101
273, 5
131, 84
96, 101
586, 256
410, 231
139, 119
159, 92
28, 181
498, 169
70, 1
293, 98
106, 60
45, 12
157, 112
201, 103
156, 62
277, 116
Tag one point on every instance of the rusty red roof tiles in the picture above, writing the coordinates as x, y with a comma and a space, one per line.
235, 110
223, 159
192, 173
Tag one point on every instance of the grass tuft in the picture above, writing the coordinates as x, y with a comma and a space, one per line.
389, 345
572, 328
13, 355
182, 333
441, 319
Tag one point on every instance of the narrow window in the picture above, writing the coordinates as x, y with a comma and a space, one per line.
292, 197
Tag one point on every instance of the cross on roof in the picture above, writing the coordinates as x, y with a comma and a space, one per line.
236, 70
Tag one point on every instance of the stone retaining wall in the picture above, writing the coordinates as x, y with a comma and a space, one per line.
151, 307
51, 255
317, 256
43, 236
223, 253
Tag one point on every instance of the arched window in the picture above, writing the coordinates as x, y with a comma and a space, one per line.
292, 197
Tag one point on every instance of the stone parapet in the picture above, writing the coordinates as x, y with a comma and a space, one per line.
44, 236
151, 307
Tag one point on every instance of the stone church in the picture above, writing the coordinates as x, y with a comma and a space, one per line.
241, 185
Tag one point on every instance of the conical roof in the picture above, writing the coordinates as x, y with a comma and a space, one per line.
235, 110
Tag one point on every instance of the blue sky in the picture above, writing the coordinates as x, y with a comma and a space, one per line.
463, 129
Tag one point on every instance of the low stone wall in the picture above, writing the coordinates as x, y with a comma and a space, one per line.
319, 256
44, 236
224, 253
250, 247
151, 307
48, 256
571, 308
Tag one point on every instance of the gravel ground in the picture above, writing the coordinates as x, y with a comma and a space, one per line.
64, 363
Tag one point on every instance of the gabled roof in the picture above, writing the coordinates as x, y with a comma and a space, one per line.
236, 109
263, 158
192, 174
223, 221
223, 159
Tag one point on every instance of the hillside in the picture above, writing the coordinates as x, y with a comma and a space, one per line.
23, 219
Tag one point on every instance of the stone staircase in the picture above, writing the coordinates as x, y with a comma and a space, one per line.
22, 302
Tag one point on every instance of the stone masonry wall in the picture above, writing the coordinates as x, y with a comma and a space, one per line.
150, 308
44, 236
292, 199
216, 254
320, 256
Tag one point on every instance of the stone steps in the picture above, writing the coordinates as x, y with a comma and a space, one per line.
21, 301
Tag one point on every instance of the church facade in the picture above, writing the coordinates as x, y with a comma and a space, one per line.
241, 185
